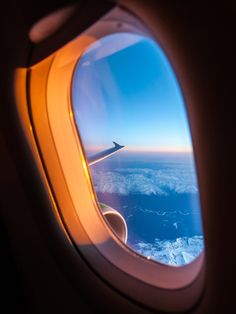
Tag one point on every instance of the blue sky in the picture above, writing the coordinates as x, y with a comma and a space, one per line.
125, 90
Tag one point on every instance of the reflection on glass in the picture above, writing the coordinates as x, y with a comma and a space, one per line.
125, 93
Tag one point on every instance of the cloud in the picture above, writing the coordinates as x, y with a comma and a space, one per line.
145, 181
172, 252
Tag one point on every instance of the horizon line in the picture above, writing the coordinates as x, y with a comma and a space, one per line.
145, 150
160, 150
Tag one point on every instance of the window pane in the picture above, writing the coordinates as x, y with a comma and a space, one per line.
132, 121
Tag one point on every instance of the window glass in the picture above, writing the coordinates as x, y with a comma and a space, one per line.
132, 121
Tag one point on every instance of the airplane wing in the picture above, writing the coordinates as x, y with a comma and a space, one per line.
93, 159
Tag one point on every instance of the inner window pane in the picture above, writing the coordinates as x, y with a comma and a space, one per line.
131, 117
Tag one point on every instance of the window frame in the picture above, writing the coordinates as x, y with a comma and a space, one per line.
56, 136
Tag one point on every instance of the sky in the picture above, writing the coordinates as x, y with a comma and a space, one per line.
125, 90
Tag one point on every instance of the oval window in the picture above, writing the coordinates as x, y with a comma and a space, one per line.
131, 118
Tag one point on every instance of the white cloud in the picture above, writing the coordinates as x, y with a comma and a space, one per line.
172, 252
145, 181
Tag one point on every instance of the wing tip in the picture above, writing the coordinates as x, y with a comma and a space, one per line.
117, 145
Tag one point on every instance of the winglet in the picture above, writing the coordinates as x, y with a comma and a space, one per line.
117, 145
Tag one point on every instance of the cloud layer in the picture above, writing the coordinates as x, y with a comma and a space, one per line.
172, 252
145, 181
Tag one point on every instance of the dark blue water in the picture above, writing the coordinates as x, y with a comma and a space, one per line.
157, 217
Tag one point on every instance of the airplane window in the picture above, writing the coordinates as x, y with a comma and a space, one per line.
132, 122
